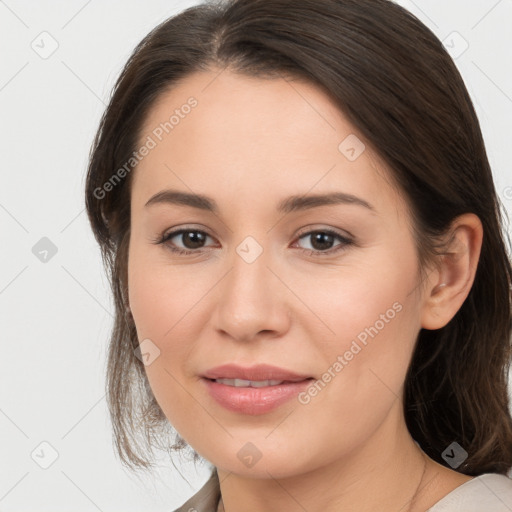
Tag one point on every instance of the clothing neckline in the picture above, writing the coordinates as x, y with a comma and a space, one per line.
458, 491
211, 489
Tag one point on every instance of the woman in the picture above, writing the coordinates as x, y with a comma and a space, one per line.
335, 334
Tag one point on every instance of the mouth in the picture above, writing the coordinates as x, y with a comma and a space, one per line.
261, 375
253, 390
243, 383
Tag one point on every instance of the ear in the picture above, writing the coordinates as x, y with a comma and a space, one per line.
449, 285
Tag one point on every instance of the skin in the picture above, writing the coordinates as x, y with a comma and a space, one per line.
248, 144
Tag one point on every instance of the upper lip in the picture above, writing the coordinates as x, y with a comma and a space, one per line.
257, 372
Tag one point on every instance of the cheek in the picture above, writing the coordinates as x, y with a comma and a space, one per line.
168, 307
161, 304
364, 368
366, 301
160, 294
371, 319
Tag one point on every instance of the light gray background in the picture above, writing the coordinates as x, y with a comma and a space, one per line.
56, 315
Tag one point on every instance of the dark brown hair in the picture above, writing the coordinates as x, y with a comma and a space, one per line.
396, 84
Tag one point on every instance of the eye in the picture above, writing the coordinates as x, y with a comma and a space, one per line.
322, 241
194, 239
191, 238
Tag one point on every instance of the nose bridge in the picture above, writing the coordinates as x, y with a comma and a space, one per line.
249, 300
249, 273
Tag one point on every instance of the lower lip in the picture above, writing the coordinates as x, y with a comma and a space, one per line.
254, 401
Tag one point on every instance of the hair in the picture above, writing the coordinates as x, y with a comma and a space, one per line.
395, 83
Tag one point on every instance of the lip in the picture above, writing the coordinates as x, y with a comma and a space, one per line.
249, 400
257, 372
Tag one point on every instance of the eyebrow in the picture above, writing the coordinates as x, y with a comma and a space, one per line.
288, 205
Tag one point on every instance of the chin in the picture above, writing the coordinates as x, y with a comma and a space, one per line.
260, 460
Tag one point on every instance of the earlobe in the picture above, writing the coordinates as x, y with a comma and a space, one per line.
451, 283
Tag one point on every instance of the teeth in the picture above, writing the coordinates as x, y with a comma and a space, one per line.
241, 383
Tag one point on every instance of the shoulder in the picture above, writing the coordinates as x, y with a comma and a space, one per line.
490, 492
206, 499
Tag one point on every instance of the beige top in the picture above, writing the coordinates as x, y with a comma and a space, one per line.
489, 492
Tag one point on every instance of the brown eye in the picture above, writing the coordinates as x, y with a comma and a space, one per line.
192, 240
322, 241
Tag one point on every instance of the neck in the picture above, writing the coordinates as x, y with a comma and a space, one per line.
388, 473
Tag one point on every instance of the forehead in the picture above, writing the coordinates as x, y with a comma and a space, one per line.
225, 132
253, 111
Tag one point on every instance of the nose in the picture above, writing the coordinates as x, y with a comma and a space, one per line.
252, 302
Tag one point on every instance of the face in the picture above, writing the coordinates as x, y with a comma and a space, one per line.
327, 290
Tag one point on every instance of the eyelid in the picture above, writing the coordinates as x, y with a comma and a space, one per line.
315, 227
171, 233
334, 251
304, 231
181, 229
346, 240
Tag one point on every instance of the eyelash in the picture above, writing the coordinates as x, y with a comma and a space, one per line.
184, 252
